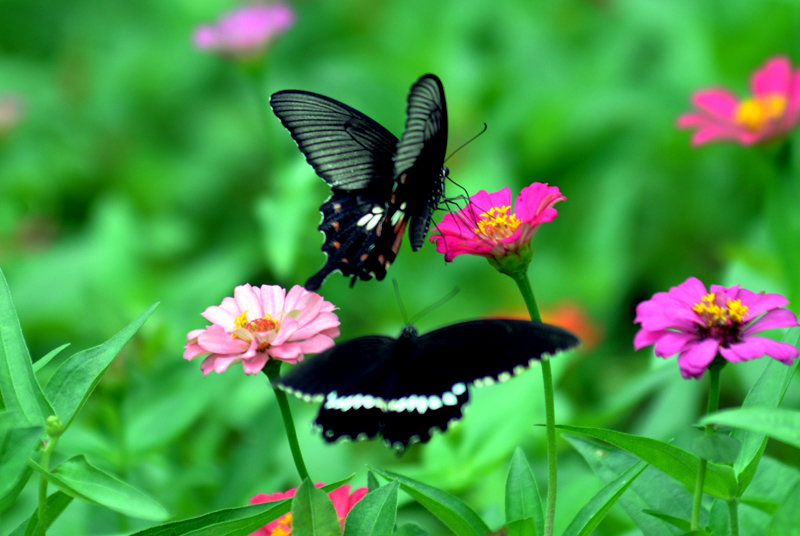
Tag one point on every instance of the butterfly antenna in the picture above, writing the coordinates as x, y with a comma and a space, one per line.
450, 295
473, 138
400, 301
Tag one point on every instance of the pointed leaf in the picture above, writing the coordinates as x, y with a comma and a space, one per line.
786, 521
375, 514
19, 388
56, 503
767, 392
652, 490
674, 461
17, 443
453, 512
77, 377
678, 522
596, 509
313, 513
78, 478
718, 448
372, 481
45, 359
240, 521
781, 424
410, 529
521, 527
522, 494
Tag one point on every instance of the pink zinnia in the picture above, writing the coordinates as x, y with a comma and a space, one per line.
773, 110
698, 325
246, 32
342, 500
262, 323
488, 227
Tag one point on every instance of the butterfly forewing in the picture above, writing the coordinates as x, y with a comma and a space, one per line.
345, 147
418, 164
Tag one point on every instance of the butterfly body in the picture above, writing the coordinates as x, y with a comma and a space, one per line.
407, 388
379, 185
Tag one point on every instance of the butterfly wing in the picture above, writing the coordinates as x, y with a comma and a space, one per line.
418, 165
354, 154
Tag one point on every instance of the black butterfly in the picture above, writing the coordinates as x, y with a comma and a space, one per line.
404, 389
380, 185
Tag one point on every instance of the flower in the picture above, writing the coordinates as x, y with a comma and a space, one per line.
342, 500
773, 110
262, 323
246, 32
700, 325
487, 227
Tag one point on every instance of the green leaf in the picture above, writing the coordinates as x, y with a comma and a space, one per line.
767, 392
313, 513
410, 529
652, 490
717, 448
674, 461
76, 378
17, 444
786, 521
372, 481
522, 494
596, 509
79, 479
781, 424
240, 521
19, 388
56, 503
40, 363
767, 507
453, 512
522, 527
375, 514
678, 522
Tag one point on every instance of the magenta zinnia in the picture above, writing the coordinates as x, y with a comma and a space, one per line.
700, 325
246, 32
488, 227
262, 323
771, 111
341, 498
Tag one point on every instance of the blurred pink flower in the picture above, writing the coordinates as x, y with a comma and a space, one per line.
342, 500
487, 227
773, 110
246, 32
12, 110
698, 325
262, 323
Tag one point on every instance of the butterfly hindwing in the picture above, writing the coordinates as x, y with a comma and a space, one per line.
407, 388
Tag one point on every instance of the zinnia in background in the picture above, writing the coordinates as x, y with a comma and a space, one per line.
262, 323
342, 500
247, 32
699, 325
488, 227
771, 111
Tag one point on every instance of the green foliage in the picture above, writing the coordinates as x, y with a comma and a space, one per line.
522, 495
375, 514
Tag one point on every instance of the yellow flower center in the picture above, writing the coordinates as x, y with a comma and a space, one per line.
756, 113
716, 315
267, 323
497, 223
284, 527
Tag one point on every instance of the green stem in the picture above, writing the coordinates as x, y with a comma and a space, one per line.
273, 372
733, 512
47, 452
524, 285
712, 406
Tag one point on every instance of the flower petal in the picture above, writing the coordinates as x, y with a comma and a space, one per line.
773, 79
673, 342
777, 318
694, 361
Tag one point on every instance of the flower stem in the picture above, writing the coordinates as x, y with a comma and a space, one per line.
524, 285
273, 372
712, 406
47, 452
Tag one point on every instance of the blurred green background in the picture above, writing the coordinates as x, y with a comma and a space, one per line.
143, 171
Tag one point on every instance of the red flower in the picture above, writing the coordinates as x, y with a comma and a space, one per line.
342, 500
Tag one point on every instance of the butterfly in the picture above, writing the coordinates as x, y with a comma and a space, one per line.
379, 185
407, 388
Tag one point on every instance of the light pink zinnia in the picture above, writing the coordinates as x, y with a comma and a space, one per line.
343, 502
262, 323
487, 226
698, 325
246, 32
773, 110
